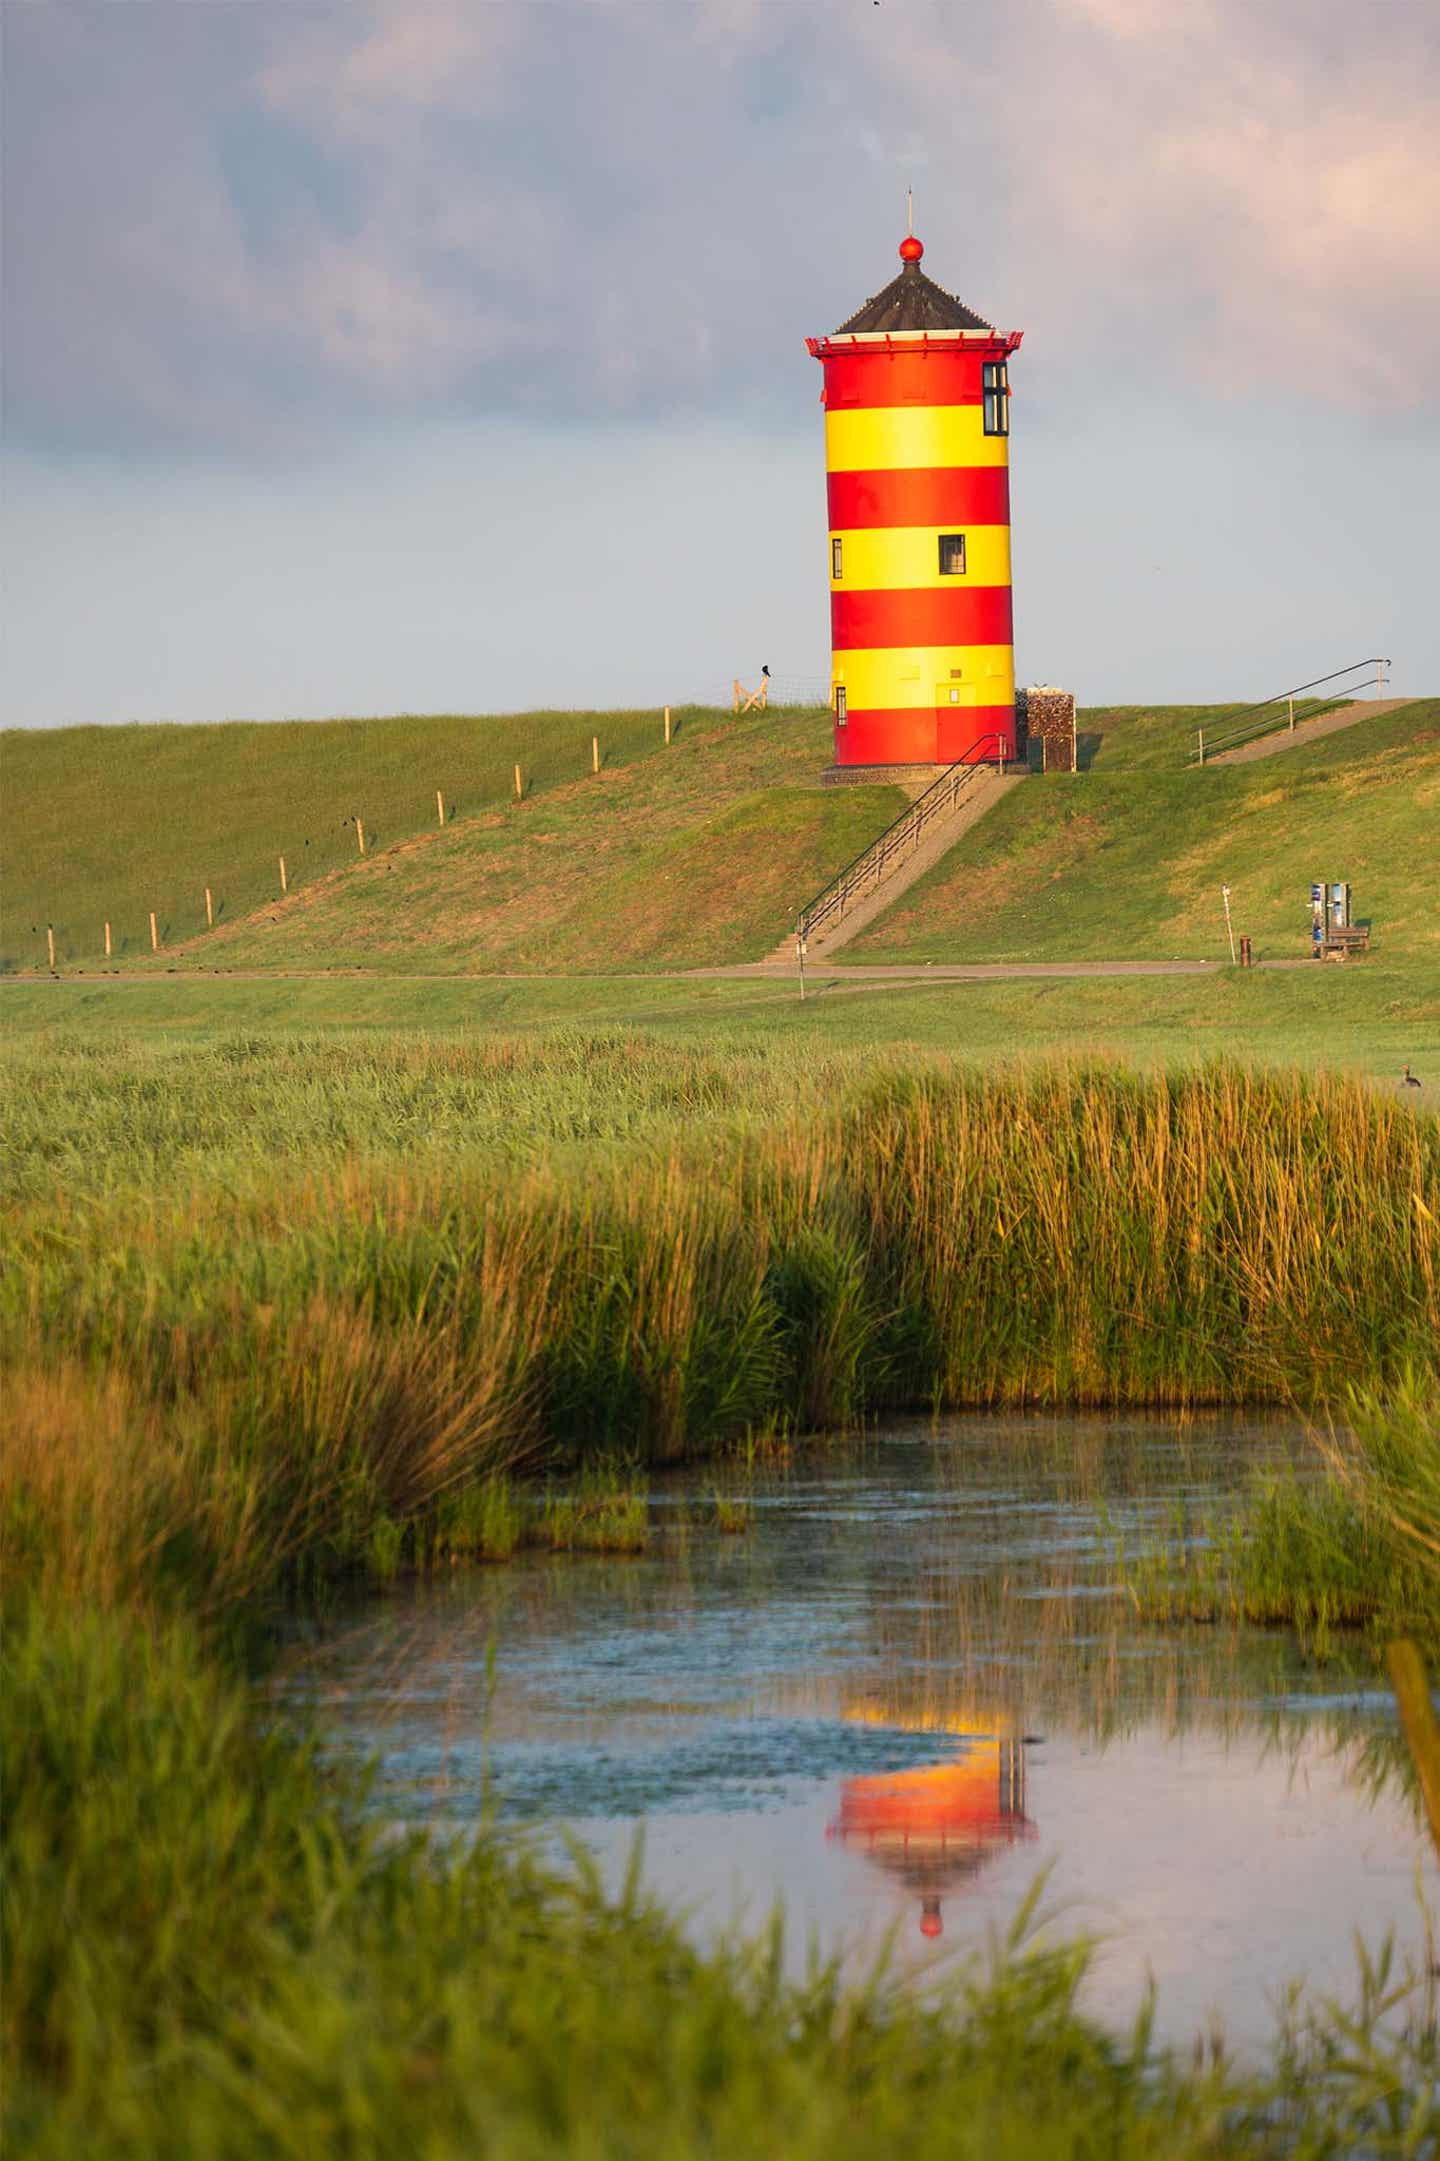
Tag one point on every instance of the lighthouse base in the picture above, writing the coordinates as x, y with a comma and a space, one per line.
941, 735
913, 777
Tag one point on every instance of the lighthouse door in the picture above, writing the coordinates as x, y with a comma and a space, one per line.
953, 731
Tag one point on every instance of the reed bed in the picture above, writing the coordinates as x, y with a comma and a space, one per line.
155, 1113
306, 1368
236, 1385
1356, 1549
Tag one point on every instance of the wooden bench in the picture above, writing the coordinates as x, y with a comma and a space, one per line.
1345, 939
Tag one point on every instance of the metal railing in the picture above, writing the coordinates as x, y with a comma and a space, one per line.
900, 839
1210, 745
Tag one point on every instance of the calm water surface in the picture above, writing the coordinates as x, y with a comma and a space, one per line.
907, 1690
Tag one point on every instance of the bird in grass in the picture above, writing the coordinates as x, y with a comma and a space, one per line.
1409, 1080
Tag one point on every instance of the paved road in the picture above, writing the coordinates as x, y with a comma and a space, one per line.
760, 970
986, 971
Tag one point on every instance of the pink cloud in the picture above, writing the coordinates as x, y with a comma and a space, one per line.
1237, 183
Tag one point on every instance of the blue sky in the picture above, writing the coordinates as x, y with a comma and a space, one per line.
449, 354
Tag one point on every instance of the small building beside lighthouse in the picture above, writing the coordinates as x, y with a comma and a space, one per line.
917, 426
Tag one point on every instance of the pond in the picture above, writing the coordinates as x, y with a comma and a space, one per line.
910, 1687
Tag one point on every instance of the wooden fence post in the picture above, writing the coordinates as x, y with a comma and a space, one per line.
594, 753
154, 934
107, 941
284, 881
439, 806
667, 723
209, 912
360, 834
736, 687
50, 942
519, 786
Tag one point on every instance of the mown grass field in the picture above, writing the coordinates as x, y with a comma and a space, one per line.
1128, 858
1372, 1017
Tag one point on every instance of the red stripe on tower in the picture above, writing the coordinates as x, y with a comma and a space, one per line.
906, 375
908, 734
940, 495
921, 615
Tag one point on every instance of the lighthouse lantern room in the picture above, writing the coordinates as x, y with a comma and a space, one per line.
917, 426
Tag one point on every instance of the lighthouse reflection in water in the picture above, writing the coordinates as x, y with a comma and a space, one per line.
933, 1830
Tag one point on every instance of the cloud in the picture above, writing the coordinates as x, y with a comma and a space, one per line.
1248, 195
232, 227
351, 70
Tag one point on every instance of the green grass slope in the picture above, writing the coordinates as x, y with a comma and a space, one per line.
108, 823
698, 854
684, 856
1128, 860
1161, 738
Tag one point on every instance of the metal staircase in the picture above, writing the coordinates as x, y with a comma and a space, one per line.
899, 842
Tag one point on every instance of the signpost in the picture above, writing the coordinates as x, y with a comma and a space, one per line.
1229, 926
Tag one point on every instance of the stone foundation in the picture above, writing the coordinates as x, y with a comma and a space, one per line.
881, 776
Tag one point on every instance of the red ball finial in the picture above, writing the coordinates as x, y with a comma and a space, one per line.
911, 249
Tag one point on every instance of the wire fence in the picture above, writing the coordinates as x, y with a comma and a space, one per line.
762, 691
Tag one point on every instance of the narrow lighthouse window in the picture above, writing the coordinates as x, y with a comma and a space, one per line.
952, 555
837, 558
839, 705
997, 398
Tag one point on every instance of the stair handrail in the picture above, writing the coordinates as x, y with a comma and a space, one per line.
1251, 729
942, 794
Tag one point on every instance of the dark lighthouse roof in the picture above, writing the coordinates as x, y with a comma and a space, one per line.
911, 302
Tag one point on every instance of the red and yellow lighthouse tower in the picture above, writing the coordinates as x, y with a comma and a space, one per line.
917, 426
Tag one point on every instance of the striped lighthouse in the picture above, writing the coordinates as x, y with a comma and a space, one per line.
917, 425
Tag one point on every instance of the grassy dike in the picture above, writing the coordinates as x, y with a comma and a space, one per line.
105, 823
230, 1381
1129, 856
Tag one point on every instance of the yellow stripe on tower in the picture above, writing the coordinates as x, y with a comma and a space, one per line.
887, 557
880, 438
911, 677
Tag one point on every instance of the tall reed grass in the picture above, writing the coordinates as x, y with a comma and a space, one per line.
1356, 1548
311, 1359
148, 1115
